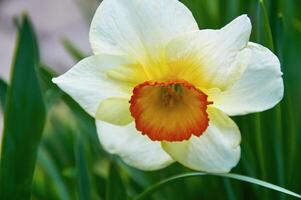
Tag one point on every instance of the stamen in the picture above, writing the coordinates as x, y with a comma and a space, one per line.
171, 95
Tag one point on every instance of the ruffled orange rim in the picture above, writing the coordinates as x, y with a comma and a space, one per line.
169, 110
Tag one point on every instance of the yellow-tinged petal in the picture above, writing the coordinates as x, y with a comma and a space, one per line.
207, 58
217, 150
115, 111
259, 88
139, 28
127, 75
134, 149
88, 83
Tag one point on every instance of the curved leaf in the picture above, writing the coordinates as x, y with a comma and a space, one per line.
115, 189
156, 186
264, 33
3, 90
49, 166
73, 50
23, 120
84, 179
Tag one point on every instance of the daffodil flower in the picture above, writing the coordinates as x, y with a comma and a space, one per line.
161, 90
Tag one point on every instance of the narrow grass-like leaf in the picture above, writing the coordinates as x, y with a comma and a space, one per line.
115, 187
83, 176
264, 33
23, 120
51, 92
259, 144
229, 190
73, 51
53, 172
135, 174
85, 121
3, 91
146, 194
87, 130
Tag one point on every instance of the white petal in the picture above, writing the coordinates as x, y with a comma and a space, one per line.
88, 84
217, 150
259, 88
134, 148
209, 55
115, 111
140, 28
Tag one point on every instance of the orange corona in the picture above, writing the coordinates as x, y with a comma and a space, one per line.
169, 111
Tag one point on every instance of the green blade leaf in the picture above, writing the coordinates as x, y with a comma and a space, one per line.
115, 188
264, 32
84, 181
51, 92
73, 50
158, 185
49, 166
23, 120
85, 121
3, 90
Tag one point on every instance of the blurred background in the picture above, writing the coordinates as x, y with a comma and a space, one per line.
55, 20
71, 163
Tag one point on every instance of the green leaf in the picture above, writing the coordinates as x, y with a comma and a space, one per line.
3, 91
49, 166
23, 120
264, 32
73, 51
115, 187
86, 130
83, 176
51, 92
85, 121
158, 185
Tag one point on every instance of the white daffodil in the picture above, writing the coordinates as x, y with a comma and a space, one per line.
161, 90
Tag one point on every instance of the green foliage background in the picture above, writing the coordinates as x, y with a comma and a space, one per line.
69, 163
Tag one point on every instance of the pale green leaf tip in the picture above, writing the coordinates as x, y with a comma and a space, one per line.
248, 179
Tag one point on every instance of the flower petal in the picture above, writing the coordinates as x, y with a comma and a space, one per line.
87, 82
259, 88
134, 149
115, 111
217, 150
206, 58
140, 28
